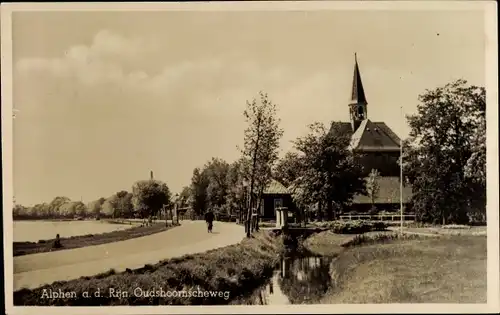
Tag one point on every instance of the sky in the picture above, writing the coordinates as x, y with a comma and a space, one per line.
105, 97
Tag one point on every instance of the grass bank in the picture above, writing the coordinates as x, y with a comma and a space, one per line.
26, 248
384, 267
235, 269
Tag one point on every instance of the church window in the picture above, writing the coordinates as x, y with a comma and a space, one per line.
360, 111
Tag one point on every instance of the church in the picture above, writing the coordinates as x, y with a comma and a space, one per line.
379, 147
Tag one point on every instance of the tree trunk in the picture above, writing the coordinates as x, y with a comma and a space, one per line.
319, 216
252, 178
329, 210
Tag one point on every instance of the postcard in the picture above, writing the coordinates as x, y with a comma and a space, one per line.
250, 157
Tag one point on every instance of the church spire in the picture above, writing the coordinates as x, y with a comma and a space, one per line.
357, 92
357, 105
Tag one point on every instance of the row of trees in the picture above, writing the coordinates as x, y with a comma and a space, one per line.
444, 162
147, 198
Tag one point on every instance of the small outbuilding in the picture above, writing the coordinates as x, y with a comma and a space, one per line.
275, 196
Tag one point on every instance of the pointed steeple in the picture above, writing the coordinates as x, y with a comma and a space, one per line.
357, 92
358, 110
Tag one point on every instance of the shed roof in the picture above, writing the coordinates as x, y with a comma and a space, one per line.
276, 188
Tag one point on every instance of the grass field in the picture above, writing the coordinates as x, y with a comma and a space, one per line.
414, 269
26, 248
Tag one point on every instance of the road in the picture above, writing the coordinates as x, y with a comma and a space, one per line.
31, 271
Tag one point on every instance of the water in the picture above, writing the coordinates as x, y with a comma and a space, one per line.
301, 280
32, 231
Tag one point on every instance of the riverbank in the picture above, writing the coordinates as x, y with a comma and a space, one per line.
43, 246
385, 267
234, 269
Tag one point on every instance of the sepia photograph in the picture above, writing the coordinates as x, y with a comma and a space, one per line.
250, 156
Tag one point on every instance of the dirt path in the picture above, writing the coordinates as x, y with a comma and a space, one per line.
191, 237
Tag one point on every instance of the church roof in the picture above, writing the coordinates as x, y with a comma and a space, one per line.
357, 92
374, 136
276, 188
370, 136
389, 192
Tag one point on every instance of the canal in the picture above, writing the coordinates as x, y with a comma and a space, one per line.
297, 280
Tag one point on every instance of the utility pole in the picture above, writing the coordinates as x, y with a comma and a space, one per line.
151, 175
401, 176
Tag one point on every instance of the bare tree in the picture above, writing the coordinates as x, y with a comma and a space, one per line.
260, 147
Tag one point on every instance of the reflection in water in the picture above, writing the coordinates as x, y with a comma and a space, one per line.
298, 281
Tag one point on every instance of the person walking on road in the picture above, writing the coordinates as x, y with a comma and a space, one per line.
209, 218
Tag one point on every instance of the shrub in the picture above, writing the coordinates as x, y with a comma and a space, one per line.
455, 226
379, 238
355, 227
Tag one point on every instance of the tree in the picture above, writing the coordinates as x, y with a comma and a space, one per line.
122, 205
107, 209
72, 209
443, 140
476, 164
373, 186
94, 207
331, 175
80, 209
41, 210
261, 143
216, 171
19, 212
236, 197
288, 169
55, 205
184, 196
199, 185
149, 197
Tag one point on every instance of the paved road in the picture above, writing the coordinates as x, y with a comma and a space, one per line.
31, 271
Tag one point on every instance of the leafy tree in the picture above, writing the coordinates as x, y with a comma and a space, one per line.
445, 139
41, 210
373, 186
216, 170
107, 209
199, 186
261, 143
236, 197
149, 197
94, 207
184, 197
80, 209
55, 205
72, 209
20, 211
331, 174
122, 205
476, 164
288, 169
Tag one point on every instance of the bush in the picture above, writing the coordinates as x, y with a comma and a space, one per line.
379, 238
355, 227
455, 226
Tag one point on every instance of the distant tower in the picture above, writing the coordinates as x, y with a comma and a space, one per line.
151, 174
357, 106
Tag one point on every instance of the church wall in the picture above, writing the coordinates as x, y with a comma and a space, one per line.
385, 162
